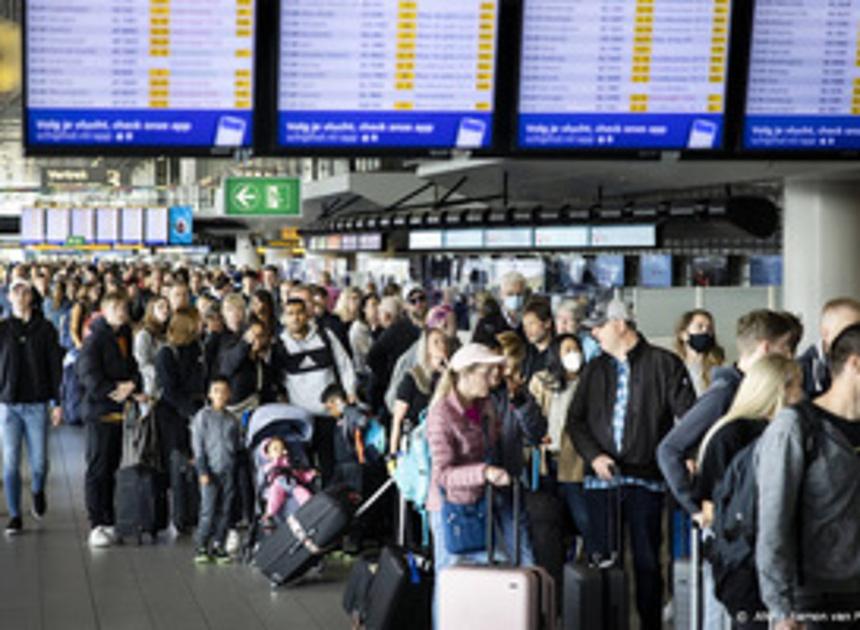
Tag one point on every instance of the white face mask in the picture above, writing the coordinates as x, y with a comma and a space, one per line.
572, 361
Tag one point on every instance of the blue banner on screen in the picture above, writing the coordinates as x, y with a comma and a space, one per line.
386, 73
802, 132
607, 74
391, 129
181, 225
139, 128
620, 131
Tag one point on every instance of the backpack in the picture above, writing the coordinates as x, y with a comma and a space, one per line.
732, 550
412, 474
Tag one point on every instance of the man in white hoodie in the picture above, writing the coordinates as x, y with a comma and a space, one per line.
315, 359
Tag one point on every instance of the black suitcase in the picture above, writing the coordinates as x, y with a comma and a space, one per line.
296, 546
401, 594
140, 503
185, 492
595, 597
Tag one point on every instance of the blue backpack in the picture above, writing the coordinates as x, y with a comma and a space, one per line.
412, 474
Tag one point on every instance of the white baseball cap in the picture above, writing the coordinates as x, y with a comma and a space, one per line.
474, 354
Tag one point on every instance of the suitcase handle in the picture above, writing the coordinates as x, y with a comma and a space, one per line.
491, 528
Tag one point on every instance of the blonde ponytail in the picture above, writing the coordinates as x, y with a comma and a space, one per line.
447, 383
760, 395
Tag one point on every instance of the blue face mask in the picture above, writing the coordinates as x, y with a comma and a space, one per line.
513, 303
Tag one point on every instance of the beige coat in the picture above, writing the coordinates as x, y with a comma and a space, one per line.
555, 404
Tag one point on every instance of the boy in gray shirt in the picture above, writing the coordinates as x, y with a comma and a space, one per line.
215, 439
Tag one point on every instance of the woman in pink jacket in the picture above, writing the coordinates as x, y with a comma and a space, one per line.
458, 447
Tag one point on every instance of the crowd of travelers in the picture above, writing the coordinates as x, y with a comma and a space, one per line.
566, 398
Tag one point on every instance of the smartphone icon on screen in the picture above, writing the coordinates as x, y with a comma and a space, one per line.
703, 134
471, 133
230, 132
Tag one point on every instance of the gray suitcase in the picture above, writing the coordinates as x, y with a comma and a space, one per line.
495, 596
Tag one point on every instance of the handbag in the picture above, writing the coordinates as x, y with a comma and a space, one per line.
140, 444
465, 525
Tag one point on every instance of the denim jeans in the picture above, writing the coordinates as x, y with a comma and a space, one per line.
642, 510
27, 423
574, 496
504, 527
216, 499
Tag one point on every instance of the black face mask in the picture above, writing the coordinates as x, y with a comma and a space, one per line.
701, 343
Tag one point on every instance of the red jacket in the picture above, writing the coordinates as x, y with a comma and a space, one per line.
458, 451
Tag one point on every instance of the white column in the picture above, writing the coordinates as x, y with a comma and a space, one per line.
821, 246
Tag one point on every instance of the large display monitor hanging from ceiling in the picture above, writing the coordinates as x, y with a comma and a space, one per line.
803, 90
623, 75
387, 76
139, 76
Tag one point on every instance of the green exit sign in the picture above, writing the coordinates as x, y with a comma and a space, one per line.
262, 196
76, 241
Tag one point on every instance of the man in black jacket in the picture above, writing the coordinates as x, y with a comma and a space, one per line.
31, 365
626, 401
109, 377
396, 340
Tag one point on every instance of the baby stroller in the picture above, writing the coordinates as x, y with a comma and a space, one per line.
294, 426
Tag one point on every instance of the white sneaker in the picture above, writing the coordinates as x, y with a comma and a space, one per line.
100, 538
110, 531
231, 546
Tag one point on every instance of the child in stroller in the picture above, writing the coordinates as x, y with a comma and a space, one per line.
286, 488
278, 436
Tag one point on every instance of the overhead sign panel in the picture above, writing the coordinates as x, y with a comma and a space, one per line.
139, 73
634, 74
387, 74
804, 79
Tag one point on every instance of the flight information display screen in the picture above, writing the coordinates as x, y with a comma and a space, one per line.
804, 82
139, 73
623, 74
387, 73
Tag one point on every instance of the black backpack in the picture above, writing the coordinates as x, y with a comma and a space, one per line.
732, 550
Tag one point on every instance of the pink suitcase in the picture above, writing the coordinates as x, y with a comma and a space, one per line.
497, 597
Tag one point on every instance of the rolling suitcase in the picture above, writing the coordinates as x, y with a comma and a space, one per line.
297, 545
493, 597
140, 503
401, 595
595, 595
185, 492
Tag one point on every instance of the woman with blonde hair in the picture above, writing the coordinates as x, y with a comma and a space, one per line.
148, 341
463, 431
696, 345
773, 382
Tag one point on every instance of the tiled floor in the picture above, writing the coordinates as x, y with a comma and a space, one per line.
50, 579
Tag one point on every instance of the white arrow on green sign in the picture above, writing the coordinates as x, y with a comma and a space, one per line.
261, 196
